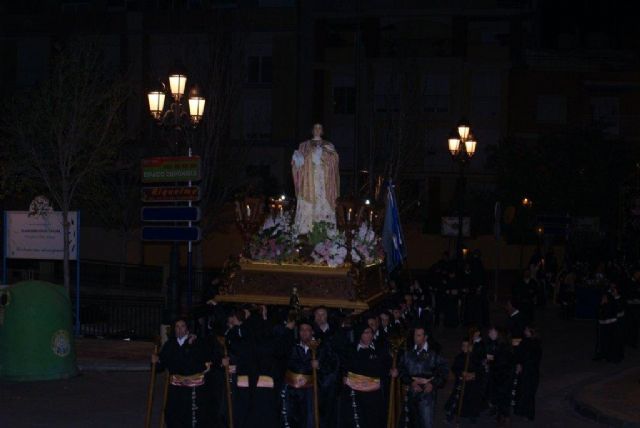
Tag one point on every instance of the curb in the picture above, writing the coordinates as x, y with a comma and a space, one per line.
112, 366
598, 416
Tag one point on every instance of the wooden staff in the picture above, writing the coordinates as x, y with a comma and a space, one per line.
316, 415
392, 392
403, 392
464, 382
164, 398
152, 382
398, 341
227, 378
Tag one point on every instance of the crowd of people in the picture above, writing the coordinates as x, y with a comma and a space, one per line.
283, 367
614, 285
618, 311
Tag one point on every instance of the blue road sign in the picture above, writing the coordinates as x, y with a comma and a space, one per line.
172, 234
170, 214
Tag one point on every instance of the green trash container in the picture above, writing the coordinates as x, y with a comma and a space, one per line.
36, 336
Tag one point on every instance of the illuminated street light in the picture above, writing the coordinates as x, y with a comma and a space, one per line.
462, 146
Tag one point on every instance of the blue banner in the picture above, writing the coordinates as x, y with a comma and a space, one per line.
392, 236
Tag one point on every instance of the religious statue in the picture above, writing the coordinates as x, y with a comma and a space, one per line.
316, 177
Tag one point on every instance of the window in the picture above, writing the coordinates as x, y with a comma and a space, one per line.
344, 100
605, 113
488, 33
551, 109
259, 69
436, 93
485, 95
257, 117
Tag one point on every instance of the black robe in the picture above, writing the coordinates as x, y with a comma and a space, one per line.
633, 313
472, 306
528, 354
297, 404
500, 383
265, 402
370, 408
620, 339
438, 284
184, 404
472, 398
241, 348
606, 345
215, 383
523, 296
480, 283
516, 324
451, 298
479, 357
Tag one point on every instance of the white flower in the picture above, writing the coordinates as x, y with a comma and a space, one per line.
371, 236
268, 223
362, 232
355, 256
342, 252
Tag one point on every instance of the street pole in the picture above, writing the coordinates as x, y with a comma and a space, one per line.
497, 233
461, 186
462, 146
189, 260
173, 294
178, 118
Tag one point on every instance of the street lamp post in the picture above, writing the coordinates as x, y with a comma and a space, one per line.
527, 204
180, 117
462, 147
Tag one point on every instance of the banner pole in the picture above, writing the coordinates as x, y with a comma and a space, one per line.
4, 247
77, 274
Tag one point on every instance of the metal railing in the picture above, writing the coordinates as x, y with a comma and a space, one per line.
120, 317
201, 279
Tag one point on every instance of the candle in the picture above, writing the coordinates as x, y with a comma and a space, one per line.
281, 209
248, 211
349, 215
370, 216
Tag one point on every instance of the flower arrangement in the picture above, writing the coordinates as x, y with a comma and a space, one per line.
329, 245
365, 246
276, 241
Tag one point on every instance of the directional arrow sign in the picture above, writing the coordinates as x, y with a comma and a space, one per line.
172, 234
170, 214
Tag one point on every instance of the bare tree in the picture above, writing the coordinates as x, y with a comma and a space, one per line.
66, 132
399, 133
114, 199
221, 157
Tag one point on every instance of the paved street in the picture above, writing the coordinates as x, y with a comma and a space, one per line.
117, 399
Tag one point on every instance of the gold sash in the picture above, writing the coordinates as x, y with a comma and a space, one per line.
187, 381
297, 380
362, 383
243, 381
265, 382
